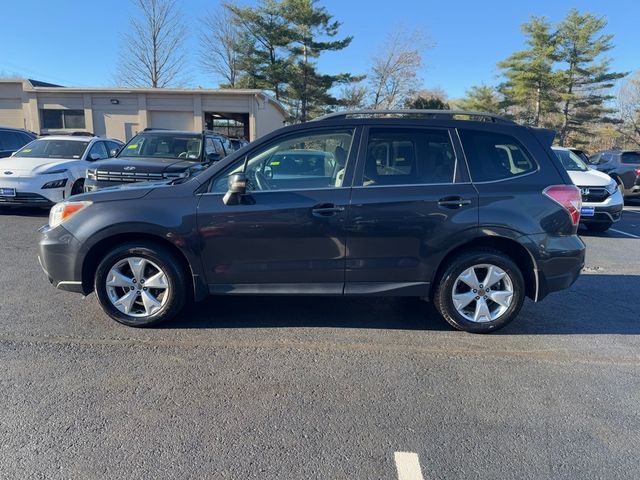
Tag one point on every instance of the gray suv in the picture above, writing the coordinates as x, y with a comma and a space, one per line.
468, 210
621, 165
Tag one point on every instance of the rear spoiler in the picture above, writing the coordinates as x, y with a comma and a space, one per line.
544, 135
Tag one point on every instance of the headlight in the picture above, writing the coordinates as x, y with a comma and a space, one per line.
55, 183
176, 175
91, 173
65, 210
612, 187
55, 172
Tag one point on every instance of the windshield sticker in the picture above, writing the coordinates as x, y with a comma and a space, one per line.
132, 147
26, 150
274, 164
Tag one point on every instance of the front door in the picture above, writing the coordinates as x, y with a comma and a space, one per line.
411, 202
288, 233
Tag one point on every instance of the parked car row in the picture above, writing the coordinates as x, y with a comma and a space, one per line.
49, 169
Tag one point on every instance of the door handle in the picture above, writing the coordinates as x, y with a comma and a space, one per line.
453, 202
326, 210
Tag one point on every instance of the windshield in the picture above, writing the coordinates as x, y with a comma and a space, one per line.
45, 148
163, 146
570, 161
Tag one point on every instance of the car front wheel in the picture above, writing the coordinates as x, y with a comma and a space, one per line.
480, 291
140, 285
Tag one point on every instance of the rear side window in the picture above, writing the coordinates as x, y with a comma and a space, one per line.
408, 156
493, 156
631, 158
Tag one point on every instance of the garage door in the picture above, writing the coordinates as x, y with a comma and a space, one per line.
175, 120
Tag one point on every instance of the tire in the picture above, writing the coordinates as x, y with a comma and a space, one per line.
509, 290
130, 302
78, 187
599, 227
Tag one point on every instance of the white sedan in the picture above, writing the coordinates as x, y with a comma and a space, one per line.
50, 169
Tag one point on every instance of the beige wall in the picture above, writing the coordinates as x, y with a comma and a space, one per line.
122, 113
11, 105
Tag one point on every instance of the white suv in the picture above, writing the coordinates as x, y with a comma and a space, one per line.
602, 201
50, 169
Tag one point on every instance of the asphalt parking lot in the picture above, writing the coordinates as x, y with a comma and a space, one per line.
330, 388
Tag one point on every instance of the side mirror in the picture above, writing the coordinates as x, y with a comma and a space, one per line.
93, 157
237, 188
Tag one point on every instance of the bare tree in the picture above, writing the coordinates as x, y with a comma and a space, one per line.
629, 108
220, 52
153, 53
394, 75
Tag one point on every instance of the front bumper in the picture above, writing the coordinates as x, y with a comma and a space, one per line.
59, 257
95, 185
609, 211
558, 261
29, 191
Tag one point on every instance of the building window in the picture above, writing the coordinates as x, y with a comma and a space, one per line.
57, 118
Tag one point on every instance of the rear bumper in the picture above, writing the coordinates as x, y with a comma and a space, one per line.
558, 262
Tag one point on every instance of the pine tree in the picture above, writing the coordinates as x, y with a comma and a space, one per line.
263, 61
586, 75
309, 91
530, 86
482, 98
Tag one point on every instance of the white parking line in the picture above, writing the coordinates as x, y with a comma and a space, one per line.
632, 211
624, 233
408, 466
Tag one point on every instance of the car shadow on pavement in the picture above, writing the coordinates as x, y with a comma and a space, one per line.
23, 212
596, 304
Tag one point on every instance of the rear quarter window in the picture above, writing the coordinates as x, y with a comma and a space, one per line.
493, 156
632, 158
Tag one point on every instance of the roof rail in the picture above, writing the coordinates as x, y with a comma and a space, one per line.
405, 113
152, 129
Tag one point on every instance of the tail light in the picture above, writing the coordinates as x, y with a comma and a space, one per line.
567, 196
637, 172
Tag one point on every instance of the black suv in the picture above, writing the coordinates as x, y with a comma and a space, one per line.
158, 154
468, 210
13, 139
621, 165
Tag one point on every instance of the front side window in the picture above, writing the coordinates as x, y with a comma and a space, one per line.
408, 156
493, 156
58, 118
100, 150
163, 146
305, 161
55, 148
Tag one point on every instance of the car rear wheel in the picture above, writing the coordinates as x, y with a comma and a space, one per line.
480, 291
599, 227
140, 285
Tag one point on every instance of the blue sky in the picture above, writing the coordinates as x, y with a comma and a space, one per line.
76, 42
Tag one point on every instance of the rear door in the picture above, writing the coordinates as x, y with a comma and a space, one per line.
411, 202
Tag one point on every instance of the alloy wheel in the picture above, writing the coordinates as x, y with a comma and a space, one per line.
137, 287
482, 293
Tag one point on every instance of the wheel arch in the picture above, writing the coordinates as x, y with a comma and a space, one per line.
98, 251
509, 246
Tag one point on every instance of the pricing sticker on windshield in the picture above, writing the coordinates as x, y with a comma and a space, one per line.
26, 150
132, 147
